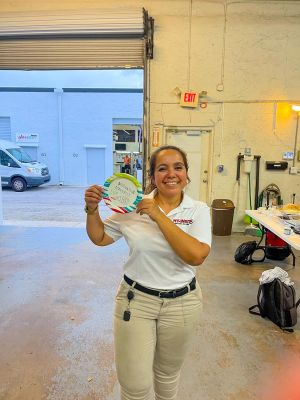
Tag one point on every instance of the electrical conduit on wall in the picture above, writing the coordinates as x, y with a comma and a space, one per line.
60, 136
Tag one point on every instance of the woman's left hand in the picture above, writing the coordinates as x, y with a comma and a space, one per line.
149, 207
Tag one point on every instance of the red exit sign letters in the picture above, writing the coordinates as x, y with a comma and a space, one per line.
189, 99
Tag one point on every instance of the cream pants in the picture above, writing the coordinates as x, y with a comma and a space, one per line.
151, 346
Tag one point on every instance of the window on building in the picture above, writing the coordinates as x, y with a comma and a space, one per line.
123, 135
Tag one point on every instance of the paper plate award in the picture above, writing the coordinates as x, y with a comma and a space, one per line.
122, 193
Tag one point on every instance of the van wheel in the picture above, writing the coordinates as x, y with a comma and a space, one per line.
19, 184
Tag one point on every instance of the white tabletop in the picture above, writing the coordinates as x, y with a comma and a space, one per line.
275, 225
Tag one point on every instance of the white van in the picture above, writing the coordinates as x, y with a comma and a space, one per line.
18, 170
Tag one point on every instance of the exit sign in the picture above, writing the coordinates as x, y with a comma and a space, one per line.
189, 99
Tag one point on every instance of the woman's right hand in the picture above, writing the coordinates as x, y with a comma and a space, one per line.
93, 196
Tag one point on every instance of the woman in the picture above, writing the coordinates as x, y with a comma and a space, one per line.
158, 303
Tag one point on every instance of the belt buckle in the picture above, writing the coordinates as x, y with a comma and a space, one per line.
162, 295
172, 292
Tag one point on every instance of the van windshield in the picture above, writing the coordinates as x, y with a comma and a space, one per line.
20, 155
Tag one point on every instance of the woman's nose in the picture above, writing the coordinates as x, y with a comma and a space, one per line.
171, 172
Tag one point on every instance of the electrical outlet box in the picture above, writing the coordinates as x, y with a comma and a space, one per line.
293, 170
288, 155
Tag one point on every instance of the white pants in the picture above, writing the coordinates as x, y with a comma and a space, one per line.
151, 346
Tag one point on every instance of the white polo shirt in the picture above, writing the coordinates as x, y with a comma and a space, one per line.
152, 262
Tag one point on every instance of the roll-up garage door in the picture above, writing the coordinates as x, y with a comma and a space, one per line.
5, 130
71, 39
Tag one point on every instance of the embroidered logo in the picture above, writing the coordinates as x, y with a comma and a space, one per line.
183, 221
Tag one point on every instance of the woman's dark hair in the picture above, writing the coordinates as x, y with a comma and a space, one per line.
152, 164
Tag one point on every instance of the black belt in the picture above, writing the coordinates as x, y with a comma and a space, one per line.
163, 294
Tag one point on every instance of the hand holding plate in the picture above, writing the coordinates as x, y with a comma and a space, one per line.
149, 207
93, 195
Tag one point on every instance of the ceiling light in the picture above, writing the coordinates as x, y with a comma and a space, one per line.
296, 107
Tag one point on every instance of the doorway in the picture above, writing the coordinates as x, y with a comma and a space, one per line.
95, 165
196, 143
121, 41
128, 150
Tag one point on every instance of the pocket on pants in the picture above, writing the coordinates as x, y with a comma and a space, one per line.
121, 300
122, 291
192, 306
198, 293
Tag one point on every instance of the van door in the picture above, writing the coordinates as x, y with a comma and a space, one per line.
8, 168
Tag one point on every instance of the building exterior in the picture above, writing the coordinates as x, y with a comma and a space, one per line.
71, 130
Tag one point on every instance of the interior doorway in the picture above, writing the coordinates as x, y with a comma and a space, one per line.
196, 143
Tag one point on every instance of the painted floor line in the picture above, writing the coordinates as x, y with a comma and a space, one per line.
44, 224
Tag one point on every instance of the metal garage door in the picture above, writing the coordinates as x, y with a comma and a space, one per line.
5, 130
73, 39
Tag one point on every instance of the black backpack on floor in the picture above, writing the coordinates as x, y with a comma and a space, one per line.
277, 301
244, 252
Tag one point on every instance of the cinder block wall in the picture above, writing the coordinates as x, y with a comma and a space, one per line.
246, 56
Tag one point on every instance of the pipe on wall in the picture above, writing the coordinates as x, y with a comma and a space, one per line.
60, 137
257, 159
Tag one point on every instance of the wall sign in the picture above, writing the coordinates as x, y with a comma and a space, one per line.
189, 99
155, 136
27, 138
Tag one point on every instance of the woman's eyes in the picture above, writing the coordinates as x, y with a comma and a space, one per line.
177, 168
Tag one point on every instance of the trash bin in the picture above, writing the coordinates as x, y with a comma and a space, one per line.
222, 216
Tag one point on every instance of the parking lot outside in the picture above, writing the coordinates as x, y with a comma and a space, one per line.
47, 205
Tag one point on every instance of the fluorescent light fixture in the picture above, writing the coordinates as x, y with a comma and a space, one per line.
296, 107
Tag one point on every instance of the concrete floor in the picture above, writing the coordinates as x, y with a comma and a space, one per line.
56, 300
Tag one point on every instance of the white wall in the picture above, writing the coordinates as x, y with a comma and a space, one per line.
246, 55
86, 121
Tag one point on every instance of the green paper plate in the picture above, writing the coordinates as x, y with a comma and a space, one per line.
122, 193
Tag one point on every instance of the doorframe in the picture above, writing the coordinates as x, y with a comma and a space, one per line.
94, 146
204, 129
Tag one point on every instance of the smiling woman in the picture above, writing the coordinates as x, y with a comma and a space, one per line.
157, 165
158, 302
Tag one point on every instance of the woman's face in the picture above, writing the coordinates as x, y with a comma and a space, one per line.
170, 174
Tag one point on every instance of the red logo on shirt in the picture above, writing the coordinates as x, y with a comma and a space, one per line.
183, 221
